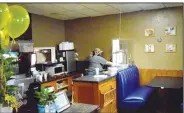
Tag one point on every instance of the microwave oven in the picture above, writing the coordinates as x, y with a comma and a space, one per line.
55, 70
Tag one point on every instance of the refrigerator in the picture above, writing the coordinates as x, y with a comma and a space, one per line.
67, 58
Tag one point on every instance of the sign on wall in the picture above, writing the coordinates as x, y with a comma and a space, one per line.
170, 31
149, 48
170, 48
149, 32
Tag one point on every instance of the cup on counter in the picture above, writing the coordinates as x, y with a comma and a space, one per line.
40, 78
97, 71
45, 76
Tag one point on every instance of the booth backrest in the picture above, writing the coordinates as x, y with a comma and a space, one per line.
127, 81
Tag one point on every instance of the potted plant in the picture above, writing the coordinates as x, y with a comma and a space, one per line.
7, 93
44, 98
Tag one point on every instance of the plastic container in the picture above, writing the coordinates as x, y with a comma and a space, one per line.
26, 47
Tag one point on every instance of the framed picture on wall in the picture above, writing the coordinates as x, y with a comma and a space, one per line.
149, 48
149, 32
170, 48
170, 31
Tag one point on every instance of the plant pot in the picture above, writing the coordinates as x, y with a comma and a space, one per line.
52, 108
5, 109
41, 108
46, 108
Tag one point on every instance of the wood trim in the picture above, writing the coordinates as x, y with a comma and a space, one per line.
146, 75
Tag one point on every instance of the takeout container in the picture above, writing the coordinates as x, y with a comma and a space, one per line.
66, 46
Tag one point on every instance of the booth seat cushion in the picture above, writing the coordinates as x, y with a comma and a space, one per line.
138, 98
140, 93
129, 92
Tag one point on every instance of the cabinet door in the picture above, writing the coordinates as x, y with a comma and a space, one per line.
114, 108
107, 108
85, 93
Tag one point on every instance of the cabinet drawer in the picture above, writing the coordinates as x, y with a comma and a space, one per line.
105, 87
107, 97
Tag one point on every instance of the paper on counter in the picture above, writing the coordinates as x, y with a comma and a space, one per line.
96, 76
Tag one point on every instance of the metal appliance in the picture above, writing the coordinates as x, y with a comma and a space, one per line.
55, 69
67, 58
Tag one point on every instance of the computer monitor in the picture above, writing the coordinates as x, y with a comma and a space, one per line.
11, 54
61, 101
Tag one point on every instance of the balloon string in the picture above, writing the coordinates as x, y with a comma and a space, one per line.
14, 41
11, 45
0, 40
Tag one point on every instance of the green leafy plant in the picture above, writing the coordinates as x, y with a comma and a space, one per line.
44, 96
6, 71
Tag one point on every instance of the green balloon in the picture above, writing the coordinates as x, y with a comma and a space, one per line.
19, 21
4, 15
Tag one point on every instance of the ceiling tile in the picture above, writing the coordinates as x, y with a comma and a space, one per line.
90, 12
34, 10
74, 14
94, 6
173, 4
126, 7
70, 6
150, 6
48, 7
102, 8
61, 17
72, 11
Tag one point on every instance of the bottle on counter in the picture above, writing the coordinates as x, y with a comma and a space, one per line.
52, 108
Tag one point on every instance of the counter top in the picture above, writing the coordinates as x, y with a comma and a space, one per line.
91, 78
80, 107
74, 108
60, 77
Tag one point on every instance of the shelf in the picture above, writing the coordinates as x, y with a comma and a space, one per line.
63, 87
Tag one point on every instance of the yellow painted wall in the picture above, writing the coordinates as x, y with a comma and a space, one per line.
47, 32
89, 33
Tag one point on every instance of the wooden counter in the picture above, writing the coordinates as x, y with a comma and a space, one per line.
96, 91
66, 80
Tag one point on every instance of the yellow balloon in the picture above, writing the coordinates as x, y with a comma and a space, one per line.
4, 15
5, 43
2, 36
4, 33
19, 21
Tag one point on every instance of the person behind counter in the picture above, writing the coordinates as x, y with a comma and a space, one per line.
97, 61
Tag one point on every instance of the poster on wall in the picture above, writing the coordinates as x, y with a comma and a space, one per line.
170, 48
170, 31
149, 48
149, 32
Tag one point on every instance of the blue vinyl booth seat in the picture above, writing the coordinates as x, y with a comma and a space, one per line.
130, 95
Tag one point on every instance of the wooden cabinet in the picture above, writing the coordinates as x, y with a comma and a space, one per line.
66, 82
97, 93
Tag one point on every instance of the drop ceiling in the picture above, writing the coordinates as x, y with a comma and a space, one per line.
72, 11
